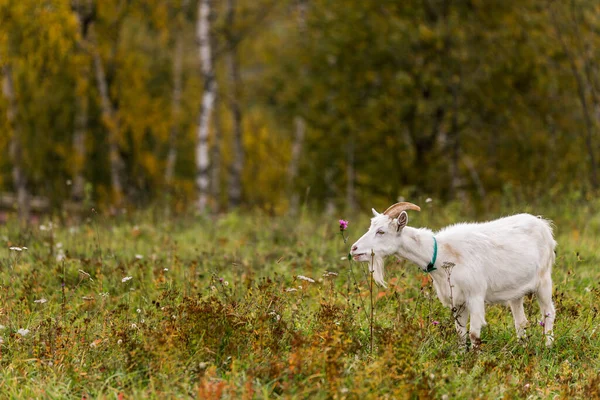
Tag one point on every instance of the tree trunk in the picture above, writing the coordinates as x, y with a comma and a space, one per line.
299, 133
111, 122
176, 96
15, 149
299, 129
206, 107
81, 112
175, 109
235, 179
215, 190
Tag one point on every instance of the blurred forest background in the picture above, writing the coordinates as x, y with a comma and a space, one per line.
272, 104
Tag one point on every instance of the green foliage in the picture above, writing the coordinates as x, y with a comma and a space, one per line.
220, 309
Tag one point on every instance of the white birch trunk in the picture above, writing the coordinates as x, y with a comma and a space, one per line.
111, 121
235, 179
206, 107
15, 149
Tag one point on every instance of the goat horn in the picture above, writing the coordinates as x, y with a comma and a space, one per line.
395, 210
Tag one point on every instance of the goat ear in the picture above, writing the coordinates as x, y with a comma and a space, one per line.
402, 221
375, 213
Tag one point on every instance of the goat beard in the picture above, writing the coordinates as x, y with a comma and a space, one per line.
376, 267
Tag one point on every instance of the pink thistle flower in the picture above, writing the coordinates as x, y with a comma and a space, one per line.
435, 322
542, 323
343, 225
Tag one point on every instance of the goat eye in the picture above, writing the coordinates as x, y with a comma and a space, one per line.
380, 232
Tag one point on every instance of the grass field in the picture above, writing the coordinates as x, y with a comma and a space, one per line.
148, 307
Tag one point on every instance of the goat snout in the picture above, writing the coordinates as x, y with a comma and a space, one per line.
354, 248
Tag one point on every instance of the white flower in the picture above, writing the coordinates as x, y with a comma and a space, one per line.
119, 341
133, 326
15, 248
103, 294
428, 200
93, 344
305, 278
127, 278
40, 301
139, 256
59, 245
43, 228
138, 310
2, 327
329, 273
291, 289
23, 332
166, 269
226, 283
60, 256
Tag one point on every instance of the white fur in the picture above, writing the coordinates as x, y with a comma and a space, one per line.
494, 262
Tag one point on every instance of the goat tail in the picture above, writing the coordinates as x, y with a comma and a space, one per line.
548, 249
376, 267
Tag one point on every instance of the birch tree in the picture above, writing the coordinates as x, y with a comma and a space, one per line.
84, 14
203, 35
111, 121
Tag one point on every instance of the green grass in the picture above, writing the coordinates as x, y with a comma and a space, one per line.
207, 313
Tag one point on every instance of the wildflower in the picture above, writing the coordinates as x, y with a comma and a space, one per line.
43, 228
435, 322
139, 256
343, 225
138, 310
127, 278
291, 289
59, 245
547, 315
305, 278
86, 274
226, 283
120, 341
542, 323
2, 327
15, 248
166, 269
88, 298
428, 200
527, 385
329, 273
40, 301
23, 332
133, 326
213, 288
104, 294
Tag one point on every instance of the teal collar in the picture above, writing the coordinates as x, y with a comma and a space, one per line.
431, 265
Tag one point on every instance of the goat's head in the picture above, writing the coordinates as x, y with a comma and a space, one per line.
382, 238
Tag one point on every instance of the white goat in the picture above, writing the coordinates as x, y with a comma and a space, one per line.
471, 264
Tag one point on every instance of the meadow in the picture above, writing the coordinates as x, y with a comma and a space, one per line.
244, 306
